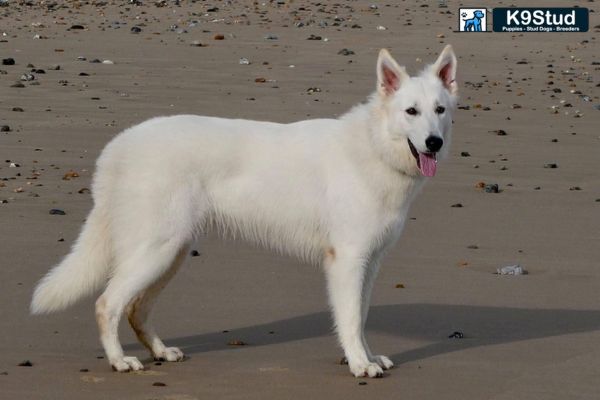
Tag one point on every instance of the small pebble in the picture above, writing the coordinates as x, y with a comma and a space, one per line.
491, 188
362, 383
346, 52
25, 363
195, 253
8, 61
511, 270
457, 205
551, 165
159, 384
465, 154
56, 211
456, 335
135, 29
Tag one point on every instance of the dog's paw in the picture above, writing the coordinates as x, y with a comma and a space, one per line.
170, 354
366, 370
383, 361
126, 364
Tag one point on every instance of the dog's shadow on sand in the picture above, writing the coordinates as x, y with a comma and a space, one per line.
481, 326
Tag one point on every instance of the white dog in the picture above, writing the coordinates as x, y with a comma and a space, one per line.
331, 191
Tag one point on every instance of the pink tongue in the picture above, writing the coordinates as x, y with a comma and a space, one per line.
428, 163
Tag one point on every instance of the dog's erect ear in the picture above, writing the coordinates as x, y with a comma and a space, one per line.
389, 74
445, 69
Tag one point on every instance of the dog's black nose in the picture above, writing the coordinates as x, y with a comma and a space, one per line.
434, 143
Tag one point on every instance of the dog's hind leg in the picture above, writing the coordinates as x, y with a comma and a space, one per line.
345, 274
142, 268
139, 310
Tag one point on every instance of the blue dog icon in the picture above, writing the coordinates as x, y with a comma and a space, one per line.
474, 24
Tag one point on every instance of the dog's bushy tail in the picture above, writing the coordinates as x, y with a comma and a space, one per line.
81, 273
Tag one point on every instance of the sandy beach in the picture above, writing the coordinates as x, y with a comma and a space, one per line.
528, 121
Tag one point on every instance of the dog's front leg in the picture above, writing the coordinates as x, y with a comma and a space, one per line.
369, 280
345, 277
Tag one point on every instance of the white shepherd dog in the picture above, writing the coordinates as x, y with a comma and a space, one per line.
331, 191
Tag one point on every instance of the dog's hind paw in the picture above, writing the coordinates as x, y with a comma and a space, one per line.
367, 370
169, 354
384, 362
126, 364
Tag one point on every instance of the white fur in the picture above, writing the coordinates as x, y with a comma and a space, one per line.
330, 191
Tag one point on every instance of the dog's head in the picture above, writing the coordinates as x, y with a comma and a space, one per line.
416, 111
478, 14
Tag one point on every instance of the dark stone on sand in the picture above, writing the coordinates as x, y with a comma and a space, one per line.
136, 29
345, 52
84, 370
362, 383
551, 165
456, 335
491, 188
8, 61
25, 363
57, 211
159, 384
457, 205
76, 27
4, 128
465, 154
17, 109
194, 253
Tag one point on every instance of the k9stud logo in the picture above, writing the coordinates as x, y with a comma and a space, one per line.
472, 19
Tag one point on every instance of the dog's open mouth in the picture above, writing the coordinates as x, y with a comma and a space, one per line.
427, 162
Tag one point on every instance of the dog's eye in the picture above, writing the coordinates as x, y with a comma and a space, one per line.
440, 110
411, 111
